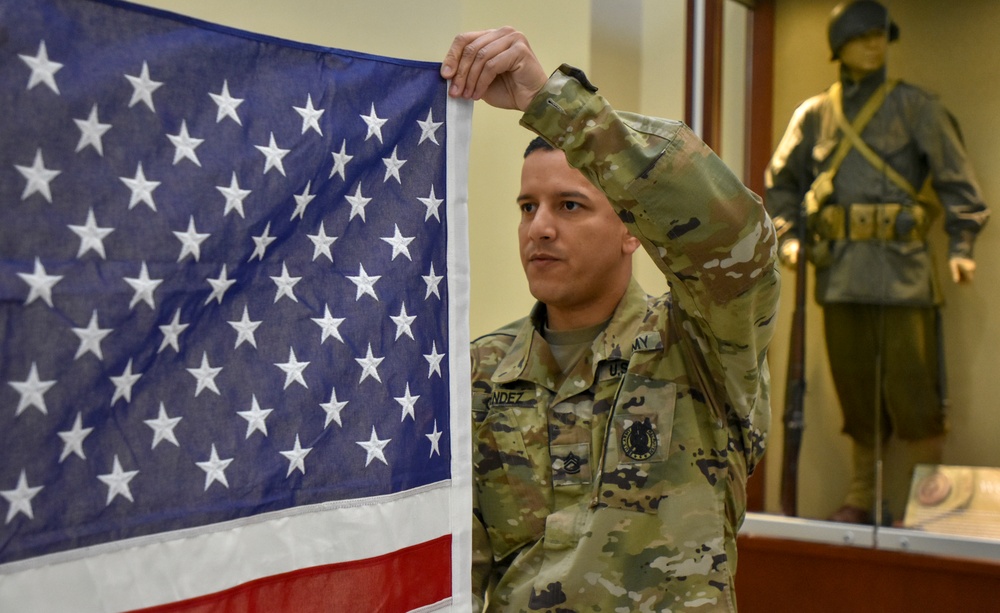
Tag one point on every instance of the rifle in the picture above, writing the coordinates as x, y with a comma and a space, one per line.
795, 382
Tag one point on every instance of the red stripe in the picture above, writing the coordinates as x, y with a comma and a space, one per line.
393, 583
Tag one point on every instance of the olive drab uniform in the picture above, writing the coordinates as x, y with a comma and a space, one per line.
620, 484
868, 242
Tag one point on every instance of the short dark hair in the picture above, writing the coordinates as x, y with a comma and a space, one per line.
538, 143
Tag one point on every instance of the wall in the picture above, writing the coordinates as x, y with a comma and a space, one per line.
943, 47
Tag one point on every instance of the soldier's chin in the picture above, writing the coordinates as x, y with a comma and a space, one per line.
545, 291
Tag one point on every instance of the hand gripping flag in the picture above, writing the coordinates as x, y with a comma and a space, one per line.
233, 320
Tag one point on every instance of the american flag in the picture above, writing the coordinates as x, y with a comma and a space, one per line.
232, 320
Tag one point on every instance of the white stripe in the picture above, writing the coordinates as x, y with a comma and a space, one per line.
459, 125
157, 570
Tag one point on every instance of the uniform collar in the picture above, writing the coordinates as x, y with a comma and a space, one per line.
529, 358
857, 92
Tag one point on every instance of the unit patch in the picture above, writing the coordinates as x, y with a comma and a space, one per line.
639, 441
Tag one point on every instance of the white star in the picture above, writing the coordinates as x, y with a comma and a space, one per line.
20, 497
191, 241
215, 469
285, 284
227, 104
435, 438
91, 236
432, 203
340, 161
91, 131
274, 155
185, 145
143, 286
172, 332
428, 127
392, 166
255, 417
433, 361
329, 324
234, 196
364, 283
143, 88
245, 329
91, 337
117, 481
407, 401
333, 409
403, 322
302, 201
358, 204
374, 123
205, 376
321, 243
369, 365
432, 282
43, 70
219, 286
124, 383
142, 190
293, 370
261, 243
310, 116
32, 391
163, 427
375, 448
40, 283
73, 439
399, 243
38, 177
296, 457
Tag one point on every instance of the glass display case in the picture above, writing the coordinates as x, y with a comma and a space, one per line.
921, 499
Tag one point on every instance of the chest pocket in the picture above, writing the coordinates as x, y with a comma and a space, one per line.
511, 481
638, 445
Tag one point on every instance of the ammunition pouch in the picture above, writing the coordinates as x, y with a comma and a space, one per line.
886, 222
892, 222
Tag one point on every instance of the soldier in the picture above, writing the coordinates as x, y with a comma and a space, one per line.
856, 157
613, 431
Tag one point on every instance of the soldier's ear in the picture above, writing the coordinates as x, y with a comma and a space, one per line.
630, 244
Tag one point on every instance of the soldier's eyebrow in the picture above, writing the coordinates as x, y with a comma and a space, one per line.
570, 194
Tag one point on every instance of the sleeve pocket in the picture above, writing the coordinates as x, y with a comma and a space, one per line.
638, 444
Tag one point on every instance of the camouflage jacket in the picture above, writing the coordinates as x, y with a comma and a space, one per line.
621, 485
914, 134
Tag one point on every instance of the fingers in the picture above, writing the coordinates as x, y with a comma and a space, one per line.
962, 269
476, 58
452, 59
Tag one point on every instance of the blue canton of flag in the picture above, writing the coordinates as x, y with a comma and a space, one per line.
223, 264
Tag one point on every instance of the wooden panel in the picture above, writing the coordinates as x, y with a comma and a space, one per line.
783, 576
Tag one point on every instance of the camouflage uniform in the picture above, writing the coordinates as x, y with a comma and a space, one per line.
620, 485
875, 252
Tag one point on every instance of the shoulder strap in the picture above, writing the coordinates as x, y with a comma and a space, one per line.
852, 132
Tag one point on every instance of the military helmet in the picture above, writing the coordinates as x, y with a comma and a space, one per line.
853, 18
